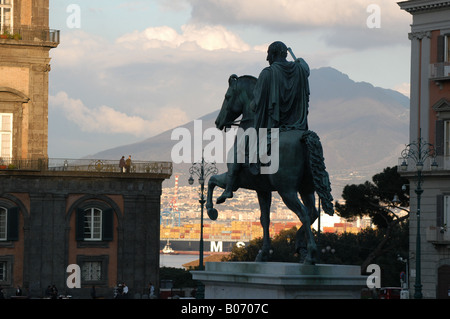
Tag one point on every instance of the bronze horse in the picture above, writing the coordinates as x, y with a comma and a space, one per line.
301, 170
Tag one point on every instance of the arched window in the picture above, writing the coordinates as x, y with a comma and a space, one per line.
9, 224
94, 223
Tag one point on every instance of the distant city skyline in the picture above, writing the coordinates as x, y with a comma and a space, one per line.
127, 70
188, 204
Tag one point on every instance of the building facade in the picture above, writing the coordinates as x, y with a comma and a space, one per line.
430, 120
107, 223
25, 42
76, 213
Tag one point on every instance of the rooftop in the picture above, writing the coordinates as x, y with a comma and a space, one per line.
412, 6
83, 166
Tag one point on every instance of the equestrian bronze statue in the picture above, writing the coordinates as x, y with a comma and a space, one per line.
276, 103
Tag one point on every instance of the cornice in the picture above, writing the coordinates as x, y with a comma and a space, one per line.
416, 6
419, 35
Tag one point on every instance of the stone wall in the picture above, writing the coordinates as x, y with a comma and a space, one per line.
47, 244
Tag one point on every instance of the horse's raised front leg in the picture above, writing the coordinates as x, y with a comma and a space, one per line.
293, 203
215, 180
265, 201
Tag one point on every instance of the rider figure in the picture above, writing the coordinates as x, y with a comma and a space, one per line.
281, 100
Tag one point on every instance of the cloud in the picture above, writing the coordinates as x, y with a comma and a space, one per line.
193, 37
344, 22
293, 13
106, 120
159, 45
159, 68
77, 46
403, 88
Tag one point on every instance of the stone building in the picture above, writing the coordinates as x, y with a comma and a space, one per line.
430, 120
55, 214
25, 40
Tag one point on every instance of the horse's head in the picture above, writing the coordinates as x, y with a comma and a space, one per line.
237, 100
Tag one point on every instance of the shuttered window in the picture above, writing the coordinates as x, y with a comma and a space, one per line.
3, 221
9, 224
443, 48
108, 225
3, 271
13, 224
440, 48
447, 48
94, 224
446, 138
443, 211
442, 143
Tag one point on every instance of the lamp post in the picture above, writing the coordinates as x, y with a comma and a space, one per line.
202, 170
418, 152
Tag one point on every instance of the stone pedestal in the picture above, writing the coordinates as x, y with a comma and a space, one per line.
252, 280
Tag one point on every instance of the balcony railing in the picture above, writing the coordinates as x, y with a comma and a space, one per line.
440, 71
35, 35
85, 165
438, 235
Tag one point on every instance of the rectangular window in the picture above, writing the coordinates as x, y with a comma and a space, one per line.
3, 223
91, 271
6, 16
447, 48
93, 224
446, 138
446, 215
3, 271
6, 127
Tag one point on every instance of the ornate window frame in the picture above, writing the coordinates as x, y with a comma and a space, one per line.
442, 143
104, 262
7, 262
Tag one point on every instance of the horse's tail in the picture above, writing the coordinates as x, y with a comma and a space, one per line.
320, 176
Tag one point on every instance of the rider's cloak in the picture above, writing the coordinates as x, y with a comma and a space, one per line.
282, 96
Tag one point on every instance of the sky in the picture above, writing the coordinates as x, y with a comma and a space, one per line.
129, 70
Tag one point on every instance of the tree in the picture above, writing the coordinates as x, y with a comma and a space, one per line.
375, 199
355, 248
283, 248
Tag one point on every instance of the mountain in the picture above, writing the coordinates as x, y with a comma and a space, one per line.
362, 128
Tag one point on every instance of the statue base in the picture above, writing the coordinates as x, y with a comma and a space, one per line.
273, 280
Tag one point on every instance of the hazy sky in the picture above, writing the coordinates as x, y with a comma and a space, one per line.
128, 70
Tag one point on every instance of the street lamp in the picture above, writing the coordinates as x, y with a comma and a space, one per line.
202, 170
418, 152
